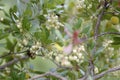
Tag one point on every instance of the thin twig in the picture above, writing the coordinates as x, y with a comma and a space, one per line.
96, 31
2, 67
97, 76
91, 62
106, 72
2, 56
48, 74
105, 33
98, 24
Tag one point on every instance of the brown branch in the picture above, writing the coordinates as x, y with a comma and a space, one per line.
12, 62
2, 56
98, 24
100, 15
105, 33
91, 62
97, 76
106, 72
96, 31
83, 78
48, 74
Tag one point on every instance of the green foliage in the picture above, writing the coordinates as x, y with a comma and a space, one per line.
6, 21
116, 41
9, 45
3, 34
41, 65
78, 24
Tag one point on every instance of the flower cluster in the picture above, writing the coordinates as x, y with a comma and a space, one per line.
77, 54
19, 25
23, 42
52, 21
65, 60
35, 48
80, 4
106, 43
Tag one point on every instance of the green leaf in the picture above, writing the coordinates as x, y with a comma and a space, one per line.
52, 36
41, 3
26, 25
37, 35
3, 34
42, 65
17, 35
86, 28
41, 18
5, 21
101, 49
69, 27
22, 76
10, 45
21, 7
14, 75
59, 35
72, 75
2, 44
82, 72
111, 29
116, 38
90, 45
64, 72
28, 11
42, 35
78, 24
116, 41
14, 16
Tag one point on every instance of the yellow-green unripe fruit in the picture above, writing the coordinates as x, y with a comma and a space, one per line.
27, 76
108, 24
114, 20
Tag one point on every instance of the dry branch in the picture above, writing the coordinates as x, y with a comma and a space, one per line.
97, 76
106, 33
48, 74
106, 72
12, 62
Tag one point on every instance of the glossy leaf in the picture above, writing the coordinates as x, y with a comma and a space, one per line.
78, 24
